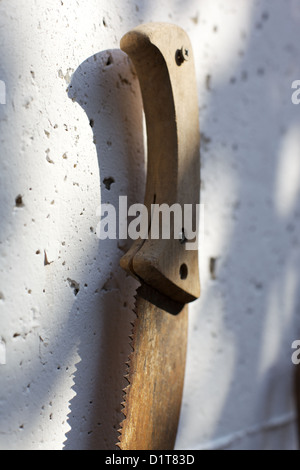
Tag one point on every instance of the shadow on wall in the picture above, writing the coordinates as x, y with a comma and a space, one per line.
252, 299
108, 91
253, 295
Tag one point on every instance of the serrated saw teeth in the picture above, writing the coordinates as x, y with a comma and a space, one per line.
167, 267
125, 390
126, 376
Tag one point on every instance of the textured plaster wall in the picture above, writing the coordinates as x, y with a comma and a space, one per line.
71, 135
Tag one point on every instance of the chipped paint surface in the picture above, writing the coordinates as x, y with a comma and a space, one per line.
71, 138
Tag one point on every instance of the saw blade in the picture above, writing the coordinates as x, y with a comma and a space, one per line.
155, 375
163, 59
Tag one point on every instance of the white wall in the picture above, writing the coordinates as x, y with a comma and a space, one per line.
65, 305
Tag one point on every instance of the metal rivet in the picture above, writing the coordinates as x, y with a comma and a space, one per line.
182, 55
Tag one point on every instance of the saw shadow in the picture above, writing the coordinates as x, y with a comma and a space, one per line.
106, 87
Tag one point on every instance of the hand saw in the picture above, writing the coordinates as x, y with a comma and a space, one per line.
168, 271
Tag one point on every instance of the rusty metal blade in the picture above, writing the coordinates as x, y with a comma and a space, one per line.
156, 369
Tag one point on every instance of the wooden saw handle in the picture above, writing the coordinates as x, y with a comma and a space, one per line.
163, 59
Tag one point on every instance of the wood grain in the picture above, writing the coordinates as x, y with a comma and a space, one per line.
163, 59
170, 102
156, 376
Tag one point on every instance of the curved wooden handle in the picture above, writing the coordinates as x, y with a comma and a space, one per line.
163, 59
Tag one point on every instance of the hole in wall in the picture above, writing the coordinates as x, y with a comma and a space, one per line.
109, 60
108, 182
74, 286
212, 268
19, 201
